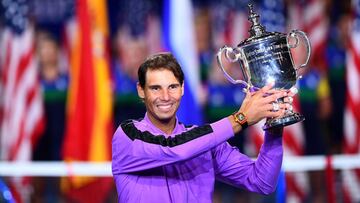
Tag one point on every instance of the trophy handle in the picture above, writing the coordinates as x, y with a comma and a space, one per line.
295, 34
232, 56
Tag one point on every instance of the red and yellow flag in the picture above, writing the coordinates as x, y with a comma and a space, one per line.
89, 110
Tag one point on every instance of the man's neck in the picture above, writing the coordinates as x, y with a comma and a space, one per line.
167, 126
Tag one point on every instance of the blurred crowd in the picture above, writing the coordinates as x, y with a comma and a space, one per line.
135, 33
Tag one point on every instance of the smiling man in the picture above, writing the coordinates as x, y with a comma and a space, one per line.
161, 91
159, 159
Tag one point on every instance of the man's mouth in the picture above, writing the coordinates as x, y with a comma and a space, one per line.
164, 107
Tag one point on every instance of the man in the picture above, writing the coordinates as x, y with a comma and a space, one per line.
159, 159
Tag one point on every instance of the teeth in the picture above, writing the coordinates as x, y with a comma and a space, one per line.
164, 106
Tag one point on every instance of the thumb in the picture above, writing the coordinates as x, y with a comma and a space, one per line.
245, 101
247, 96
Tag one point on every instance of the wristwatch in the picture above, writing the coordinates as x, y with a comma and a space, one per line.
241, 119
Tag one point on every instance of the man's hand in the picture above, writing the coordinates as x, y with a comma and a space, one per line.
263, 104
288, 101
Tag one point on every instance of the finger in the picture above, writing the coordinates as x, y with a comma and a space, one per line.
288, 99
248, 95
292, 91
259, 94
245, 101
289, 108
284, 106
275, 114
274, 91
272, 107
274, 97
269, 107
276, 106
271, 93
267, 87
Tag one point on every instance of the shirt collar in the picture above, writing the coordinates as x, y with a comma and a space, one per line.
178, 127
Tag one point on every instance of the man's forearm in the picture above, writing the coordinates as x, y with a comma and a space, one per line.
235, 126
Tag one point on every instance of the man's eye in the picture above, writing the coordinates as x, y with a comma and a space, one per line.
173, 86
154, 88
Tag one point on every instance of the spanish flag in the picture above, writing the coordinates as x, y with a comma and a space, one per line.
89, 107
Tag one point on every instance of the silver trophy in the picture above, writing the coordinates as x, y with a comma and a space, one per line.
265, 57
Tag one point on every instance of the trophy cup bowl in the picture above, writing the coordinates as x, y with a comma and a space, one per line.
265, 57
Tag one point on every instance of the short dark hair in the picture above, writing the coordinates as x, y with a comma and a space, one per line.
163, 60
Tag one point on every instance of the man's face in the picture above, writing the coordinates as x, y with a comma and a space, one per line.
162, 94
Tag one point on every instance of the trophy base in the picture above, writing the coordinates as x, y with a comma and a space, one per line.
283, 121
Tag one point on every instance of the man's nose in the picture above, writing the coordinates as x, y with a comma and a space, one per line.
165, 95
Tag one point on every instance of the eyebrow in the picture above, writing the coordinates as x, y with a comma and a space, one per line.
152, 86
173, 84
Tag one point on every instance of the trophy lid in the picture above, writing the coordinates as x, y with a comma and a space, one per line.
257, 31
256, 28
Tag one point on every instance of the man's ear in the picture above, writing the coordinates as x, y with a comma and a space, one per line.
140, 91
182, 89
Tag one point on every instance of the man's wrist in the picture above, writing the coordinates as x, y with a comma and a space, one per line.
241, 119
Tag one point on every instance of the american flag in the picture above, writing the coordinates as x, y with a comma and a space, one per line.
230, 22
21, 98
316, 25
352, 109
297, 185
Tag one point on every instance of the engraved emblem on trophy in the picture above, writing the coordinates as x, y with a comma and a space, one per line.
265, 57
